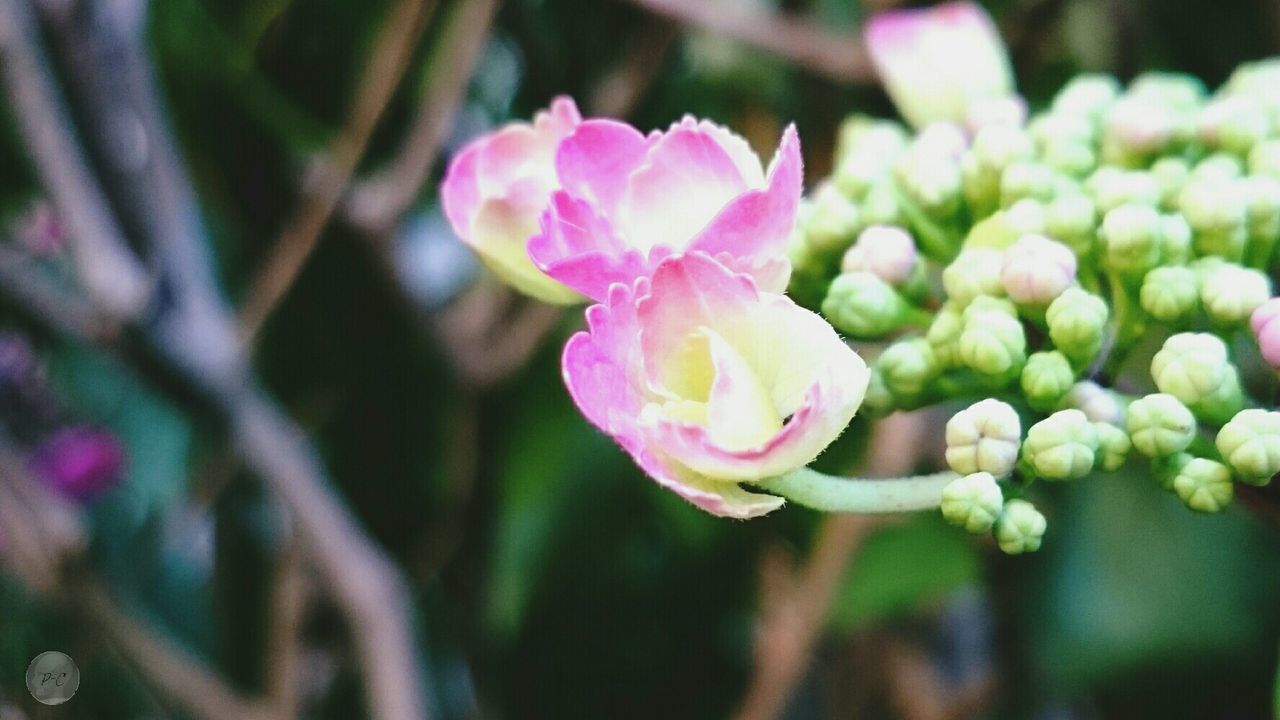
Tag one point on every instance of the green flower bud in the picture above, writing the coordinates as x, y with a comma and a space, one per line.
1070, 157
1020, 528
1136, 128
881, 205
1077, 322
1160, 425
1233, 123
1194, 368
1175, 239
972, 502
1026, 179
878, 401
1204, 485
1113, 446
984, 437
1217, 212
1264, 159
863, 306
1097, 403
1025, 217
1170, 294
986, 303
1046, 379
1112, 187
974, 272
1231, 293
866, 151
1087, 95
1250, 445
1063, 446
1167, 467
994, 148
1055, 127
907, 366
1262, 197
1131, 238
944, 334
1175, 90
932, 181
1171, 175
1073, 221
993, 344
831, 222
1218, 167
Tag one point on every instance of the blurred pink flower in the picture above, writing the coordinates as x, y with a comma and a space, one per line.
79, 462
1267, 329
937, 62
628, 201
498, 186
709, 382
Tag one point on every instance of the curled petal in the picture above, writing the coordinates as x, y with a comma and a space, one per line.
596, 161
578, 247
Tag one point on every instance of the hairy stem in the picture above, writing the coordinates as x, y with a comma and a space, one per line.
829, 493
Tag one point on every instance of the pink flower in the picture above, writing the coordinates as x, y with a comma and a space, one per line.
630, 200
498, 186
709, 382
79, 462
1267, 330
936, 62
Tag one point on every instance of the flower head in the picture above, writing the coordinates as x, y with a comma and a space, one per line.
972, 502
1063, 446
937, 62
984, 437
1250, 445
496, 189
630, 200
1159, 425
1204, 485
1046, 379
1231, 293
1170, 293
709, 382
1020, 528
1077, 322
79, 462
1195, 369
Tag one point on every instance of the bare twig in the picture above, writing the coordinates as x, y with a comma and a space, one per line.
391, 54
377, 203
840, 57
103, 260
794, 604
290, 595
22, 279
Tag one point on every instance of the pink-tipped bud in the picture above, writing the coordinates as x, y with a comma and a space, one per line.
79, 462
1267, 330
1037, 270
883, 250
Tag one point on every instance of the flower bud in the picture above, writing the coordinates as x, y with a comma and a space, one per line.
1264, 159
1087, 94
1026, 179
1073, 220
1194, 368
974, 272
1250, 445
1218, 167
994, 148
1098, 404
1110, 187
1262, 198
878, 401
993, 344
1170, 294
884, 250
1020, 528
944, 334
1267, 331
1217, 212
1007, 110
79, 462
1135, 128
1171, 175
1176, 90
1113, 446
872, 142
1036, 270
1058, 127
1077, 321
1160, 425
831, 221
907, 366
1233, 123
932, 181
1046, 379
984, 437
1063, 446
881, 205
1204, 485
863, 306
972, 502
1231, 293
941, 138
1131, 239
1073, 158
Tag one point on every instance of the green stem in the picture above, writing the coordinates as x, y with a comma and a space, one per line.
829, 493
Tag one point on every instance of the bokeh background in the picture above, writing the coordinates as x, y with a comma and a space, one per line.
545, 577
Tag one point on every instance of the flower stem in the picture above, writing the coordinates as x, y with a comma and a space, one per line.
829, 493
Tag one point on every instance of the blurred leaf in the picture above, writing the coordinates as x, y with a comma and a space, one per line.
903, 567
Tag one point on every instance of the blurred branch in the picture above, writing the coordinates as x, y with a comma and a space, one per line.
794, 604
391, 54
376, 204
108, 269
290, 596
45, 541
840, 57
22, 279
191, 329
617, 94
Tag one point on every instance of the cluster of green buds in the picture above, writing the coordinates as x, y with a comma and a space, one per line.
1119, 237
